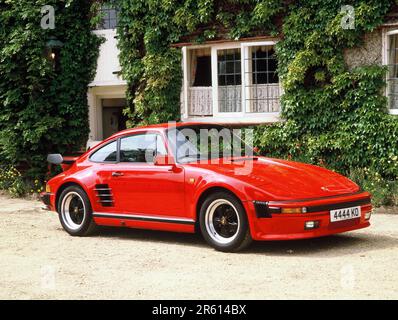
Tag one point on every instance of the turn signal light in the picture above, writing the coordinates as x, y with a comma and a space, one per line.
48, 189
294, 210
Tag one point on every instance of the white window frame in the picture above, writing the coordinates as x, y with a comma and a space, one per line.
245, 52
226, 117
214, 72
386, 34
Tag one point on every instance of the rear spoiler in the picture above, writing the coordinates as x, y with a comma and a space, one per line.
65, 162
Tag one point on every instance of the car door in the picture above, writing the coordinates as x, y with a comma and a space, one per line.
107, 196
146, 189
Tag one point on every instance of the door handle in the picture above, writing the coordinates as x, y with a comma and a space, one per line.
117, 174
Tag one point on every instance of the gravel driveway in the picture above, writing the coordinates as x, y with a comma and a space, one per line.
39, 260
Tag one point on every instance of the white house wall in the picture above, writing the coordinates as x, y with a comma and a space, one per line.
108, 61
107, 84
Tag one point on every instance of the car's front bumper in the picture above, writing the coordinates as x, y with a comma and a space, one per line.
292, 226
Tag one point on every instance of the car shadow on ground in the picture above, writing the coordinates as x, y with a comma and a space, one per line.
194, 240
332, 246
336, 245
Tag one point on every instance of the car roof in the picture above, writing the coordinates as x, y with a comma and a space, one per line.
161, 127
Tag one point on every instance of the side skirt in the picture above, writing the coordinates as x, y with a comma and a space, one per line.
143, 218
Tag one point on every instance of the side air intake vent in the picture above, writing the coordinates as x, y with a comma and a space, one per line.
104, 195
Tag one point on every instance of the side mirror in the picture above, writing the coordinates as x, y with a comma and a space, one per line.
164, 160
55, 159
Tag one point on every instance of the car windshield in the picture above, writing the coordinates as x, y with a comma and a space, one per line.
204, 142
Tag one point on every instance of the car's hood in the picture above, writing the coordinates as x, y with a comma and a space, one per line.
285, 180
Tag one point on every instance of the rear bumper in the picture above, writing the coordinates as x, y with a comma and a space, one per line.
292, 226
45, 197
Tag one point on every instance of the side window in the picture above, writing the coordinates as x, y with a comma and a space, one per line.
141, 148
106, 154
160, 147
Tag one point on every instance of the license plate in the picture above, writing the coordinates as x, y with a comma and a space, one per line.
345, 214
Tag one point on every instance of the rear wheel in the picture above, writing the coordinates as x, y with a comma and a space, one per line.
224, 224
75, 213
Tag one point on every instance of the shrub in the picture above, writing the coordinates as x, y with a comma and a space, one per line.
384, 192
12, 181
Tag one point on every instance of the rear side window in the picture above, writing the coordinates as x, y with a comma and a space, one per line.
106, 154
141, 148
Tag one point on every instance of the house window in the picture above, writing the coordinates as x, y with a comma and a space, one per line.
202, 75
109, 18
392, 77
229, 76
262, 90
200, 98
232, 82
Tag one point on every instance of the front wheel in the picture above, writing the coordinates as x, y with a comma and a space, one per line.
223, 223
75, 213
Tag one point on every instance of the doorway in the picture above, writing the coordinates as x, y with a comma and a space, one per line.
113, 119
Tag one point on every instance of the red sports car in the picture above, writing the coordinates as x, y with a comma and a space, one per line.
157, 177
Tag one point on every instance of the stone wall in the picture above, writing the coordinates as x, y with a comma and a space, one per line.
371, 52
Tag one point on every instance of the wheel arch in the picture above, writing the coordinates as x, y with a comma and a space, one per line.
208, 192
63, 187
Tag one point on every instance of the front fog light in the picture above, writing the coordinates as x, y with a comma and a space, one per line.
368, 215
311, 225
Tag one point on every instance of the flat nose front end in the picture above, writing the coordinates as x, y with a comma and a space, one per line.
288, 220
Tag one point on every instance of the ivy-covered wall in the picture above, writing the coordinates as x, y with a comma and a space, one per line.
148, 28
335, 115
334, 108
43, 109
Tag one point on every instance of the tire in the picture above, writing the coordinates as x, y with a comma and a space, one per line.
75, 213
223, 223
